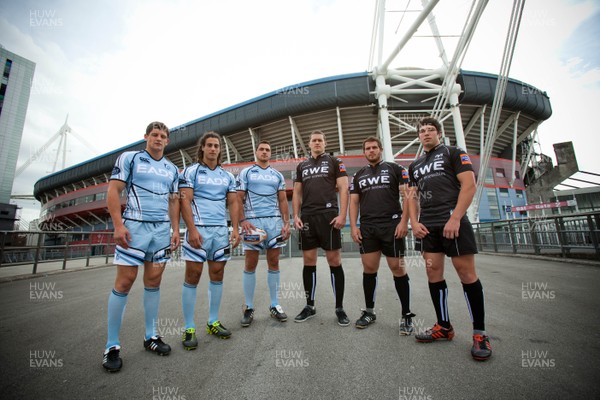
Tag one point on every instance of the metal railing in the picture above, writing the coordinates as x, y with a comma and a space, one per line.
57, 249
568, 236
38, 247
571, 235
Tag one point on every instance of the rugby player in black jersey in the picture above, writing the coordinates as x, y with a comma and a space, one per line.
443, 181
318, 219
375, 193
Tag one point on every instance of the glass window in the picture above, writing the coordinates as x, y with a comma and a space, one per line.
503, 192
500, 173
489, 176
7, 67
493, 203
519, 193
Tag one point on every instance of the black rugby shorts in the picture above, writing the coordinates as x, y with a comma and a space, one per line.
435, 242
318, 232
381, 238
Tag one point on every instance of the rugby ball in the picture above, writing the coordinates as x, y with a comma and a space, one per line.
255, 236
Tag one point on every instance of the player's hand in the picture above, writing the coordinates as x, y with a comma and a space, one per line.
194, 238
419, 230
356, 235
285, 231
247, 226
175, 239
338, 222
298, 224
401, 230
234, 239
122, 237
451, 229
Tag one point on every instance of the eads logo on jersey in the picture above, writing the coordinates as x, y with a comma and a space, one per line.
404, 174
220, 180
149, 169
342, 166
262, 177
464, 159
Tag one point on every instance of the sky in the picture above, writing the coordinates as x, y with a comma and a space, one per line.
112, 66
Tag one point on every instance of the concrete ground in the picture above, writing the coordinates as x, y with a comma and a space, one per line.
542, 317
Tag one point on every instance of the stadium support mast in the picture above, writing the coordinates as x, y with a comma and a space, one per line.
423, 83
62, 133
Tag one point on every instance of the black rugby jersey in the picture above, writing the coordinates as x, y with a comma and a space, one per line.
318, 177
378, 188
434, 173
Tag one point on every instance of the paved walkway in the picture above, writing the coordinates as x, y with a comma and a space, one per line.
24, 271
542, 317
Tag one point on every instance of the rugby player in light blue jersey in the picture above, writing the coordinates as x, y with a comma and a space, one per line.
262, 192
206, 191
142, 234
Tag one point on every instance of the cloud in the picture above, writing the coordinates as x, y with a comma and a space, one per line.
584, 44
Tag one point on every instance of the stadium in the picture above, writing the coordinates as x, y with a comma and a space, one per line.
494, 118
346, 109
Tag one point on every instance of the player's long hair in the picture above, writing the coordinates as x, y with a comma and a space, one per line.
202, 142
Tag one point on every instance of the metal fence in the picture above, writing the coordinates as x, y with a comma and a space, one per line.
572, 235
37, 247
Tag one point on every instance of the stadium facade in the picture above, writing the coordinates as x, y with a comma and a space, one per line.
346, 108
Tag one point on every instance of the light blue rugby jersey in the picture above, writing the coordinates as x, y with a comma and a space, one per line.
210, 193
148, 183
261, 186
